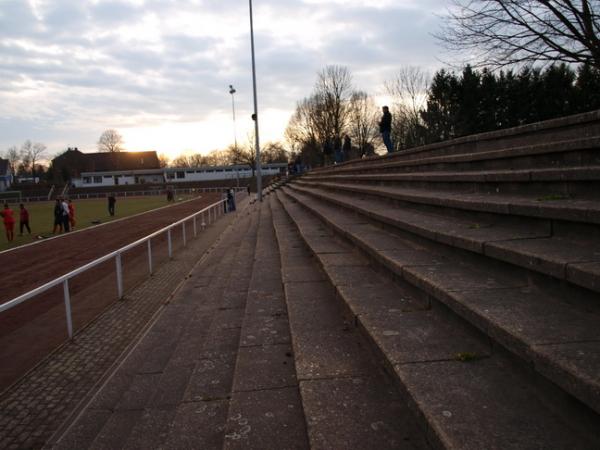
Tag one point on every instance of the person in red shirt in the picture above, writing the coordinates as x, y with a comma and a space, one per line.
9, 222
71, 214
23, 219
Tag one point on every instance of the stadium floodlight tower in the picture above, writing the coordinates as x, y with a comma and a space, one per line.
233, 91
255, 115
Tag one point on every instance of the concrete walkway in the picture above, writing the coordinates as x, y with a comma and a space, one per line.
37, 406
252, 353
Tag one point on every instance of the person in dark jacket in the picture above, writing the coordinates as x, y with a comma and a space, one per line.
111, 204
347, 148
385, 128
58, 222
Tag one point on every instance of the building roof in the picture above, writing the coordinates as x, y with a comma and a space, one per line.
103, 162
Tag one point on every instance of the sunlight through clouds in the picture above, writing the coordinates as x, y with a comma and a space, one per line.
159, 71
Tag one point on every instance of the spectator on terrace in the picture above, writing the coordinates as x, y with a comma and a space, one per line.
347, 148
23, 219
337, 150
111, 204
9, 222
231, 200
385, 128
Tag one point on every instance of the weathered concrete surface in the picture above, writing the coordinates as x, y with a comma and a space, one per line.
347, 401
423, 345
34, 408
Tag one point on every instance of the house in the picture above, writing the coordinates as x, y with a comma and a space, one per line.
72, 163
6, 176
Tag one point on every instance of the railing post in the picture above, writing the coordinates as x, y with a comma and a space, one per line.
67, 296
170, 243
150, 256
183, 234
195, 227
119, 276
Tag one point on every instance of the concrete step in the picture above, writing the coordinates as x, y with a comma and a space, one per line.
465, 393
537, 183
348, 402
177, 380
265, 411
536, 320
579, 126
558, 249
577, 151
551, 207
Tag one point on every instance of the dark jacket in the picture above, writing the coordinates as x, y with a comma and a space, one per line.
386, 122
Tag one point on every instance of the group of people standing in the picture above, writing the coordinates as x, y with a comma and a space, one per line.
9, 221
64, 216
340, 149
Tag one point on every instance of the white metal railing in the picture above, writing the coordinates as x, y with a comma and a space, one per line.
210, 213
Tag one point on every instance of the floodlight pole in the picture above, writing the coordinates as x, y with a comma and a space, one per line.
255, 116
233, 91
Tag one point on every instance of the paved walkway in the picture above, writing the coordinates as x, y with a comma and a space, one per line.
33, 409
225, 367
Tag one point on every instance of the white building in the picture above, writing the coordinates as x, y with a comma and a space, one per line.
173, 175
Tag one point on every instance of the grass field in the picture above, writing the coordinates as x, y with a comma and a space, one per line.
41, 215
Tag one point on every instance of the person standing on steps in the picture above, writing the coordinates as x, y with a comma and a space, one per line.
111, 204
385, 128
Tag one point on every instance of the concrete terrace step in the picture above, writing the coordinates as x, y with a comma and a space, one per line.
348, 403
551, 207
573, 152
567, 181
466, 393
552, 328
265, 411
534, 244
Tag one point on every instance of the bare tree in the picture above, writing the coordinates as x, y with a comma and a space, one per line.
181, 161
110, 141
409, 92
362, 123
512, 32
14, 157
218, 158
25, 158
273, 152
332, 92
163, 160
37, 153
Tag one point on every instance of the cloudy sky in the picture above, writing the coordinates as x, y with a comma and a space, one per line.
158, 71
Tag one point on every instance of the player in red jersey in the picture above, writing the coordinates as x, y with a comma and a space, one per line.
9, 222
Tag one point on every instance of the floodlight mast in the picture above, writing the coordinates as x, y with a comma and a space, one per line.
255, 115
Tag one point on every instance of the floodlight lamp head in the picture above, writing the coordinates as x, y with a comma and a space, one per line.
231, 89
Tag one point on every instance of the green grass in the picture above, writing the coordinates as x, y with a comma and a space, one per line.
41, 215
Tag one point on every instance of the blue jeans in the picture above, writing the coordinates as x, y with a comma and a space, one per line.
387, 140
